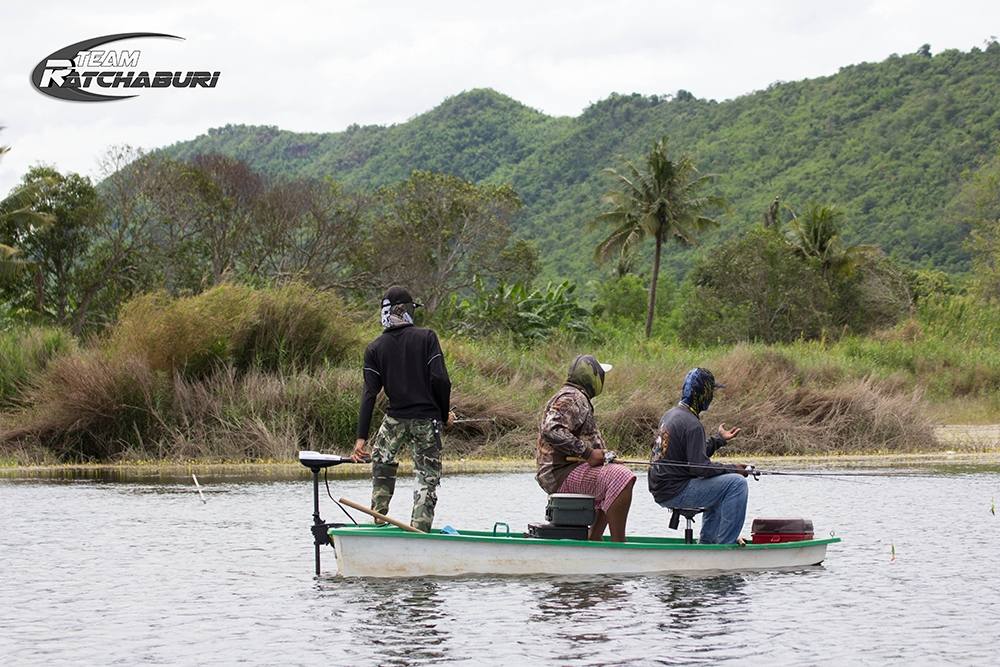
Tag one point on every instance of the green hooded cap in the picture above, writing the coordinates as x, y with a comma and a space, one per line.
588, 374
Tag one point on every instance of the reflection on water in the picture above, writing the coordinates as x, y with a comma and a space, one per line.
686, 602
582, 601
405, 620
145, 572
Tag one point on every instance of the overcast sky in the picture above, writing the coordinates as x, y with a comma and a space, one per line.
320, 66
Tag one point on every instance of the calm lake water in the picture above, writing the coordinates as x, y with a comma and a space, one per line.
143, 572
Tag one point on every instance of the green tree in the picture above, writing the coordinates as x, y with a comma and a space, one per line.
437, 233
754, 288
869, 289
664, 200
20, 219
58, 253
977, 208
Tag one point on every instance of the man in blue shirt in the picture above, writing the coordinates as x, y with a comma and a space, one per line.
696, 481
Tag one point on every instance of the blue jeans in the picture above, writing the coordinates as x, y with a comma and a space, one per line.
725, 496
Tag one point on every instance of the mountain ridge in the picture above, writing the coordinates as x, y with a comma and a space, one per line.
889, 142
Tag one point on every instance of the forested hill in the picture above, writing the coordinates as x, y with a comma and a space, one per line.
888, 142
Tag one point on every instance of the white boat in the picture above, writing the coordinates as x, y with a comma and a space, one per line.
386, 551
368, 550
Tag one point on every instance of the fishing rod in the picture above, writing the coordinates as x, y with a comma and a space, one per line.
749, 470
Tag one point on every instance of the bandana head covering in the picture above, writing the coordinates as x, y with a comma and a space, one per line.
699, 389
588, 374
397, 308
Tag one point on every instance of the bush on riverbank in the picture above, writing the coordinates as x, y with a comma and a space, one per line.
237, 374
24, 352
281, 328
224, 374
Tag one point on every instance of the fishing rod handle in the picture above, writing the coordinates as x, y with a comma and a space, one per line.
609, 457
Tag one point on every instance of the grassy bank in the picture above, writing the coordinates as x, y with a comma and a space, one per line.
209, 471
237, 374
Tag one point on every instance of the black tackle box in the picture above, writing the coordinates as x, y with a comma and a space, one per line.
549, 532
570, 509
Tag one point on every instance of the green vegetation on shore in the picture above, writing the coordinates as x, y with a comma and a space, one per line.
194, 378
206, 308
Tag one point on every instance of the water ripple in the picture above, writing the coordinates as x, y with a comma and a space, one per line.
123, 573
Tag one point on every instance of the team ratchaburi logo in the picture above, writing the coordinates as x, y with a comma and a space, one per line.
83, 73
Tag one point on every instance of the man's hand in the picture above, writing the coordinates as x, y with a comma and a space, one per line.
451, 418
359, 455
728, 435
596, 458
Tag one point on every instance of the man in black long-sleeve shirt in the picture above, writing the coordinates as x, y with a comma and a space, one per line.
696, 481
407, 362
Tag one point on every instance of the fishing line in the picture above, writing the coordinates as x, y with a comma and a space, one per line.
326, 481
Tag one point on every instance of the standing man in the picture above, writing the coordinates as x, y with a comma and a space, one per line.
697, 482
406, 361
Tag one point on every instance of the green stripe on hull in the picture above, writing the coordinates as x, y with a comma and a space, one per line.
634, 542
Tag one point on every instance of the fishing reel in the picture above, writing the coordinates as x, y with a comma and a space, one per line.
751, 471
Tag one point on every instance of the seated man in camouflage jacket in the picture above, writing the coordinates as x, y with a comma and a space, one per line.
568, 429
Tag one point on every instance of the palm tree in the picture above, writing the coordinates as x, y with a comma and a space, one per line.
664, 200
816, 235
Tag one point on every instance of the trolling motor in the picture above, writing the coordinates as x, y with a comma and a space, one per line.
316, 462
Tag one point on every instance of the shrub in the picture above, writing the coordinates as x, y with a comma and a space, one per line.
190, 335
92, 406
527, 314
294, 327
625, 298
275, 328
26, 352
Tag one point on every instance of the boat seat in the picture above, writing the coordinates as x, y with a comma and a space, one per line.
688, 513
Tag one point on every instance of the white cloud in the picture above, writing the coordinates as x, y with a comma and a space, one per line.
311, 66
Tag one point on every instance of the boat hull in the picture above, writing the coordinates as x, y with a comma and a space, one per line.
389, 552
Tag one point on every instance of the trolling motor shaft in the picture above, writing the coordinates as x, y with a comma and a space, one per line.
316, 462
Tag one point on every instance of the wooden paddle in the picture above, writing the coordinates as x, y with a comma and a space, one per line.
381, 517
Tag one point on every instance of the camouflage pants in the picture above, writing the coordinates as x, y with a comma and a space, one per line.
423, 438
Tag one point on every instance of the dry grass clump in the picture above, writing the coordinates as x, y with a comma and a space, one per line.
782, 412
233, 373
292, 326
91, 406
633, 423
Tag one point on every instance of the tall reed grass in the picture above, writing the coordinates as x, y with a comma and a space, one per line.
247, 374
